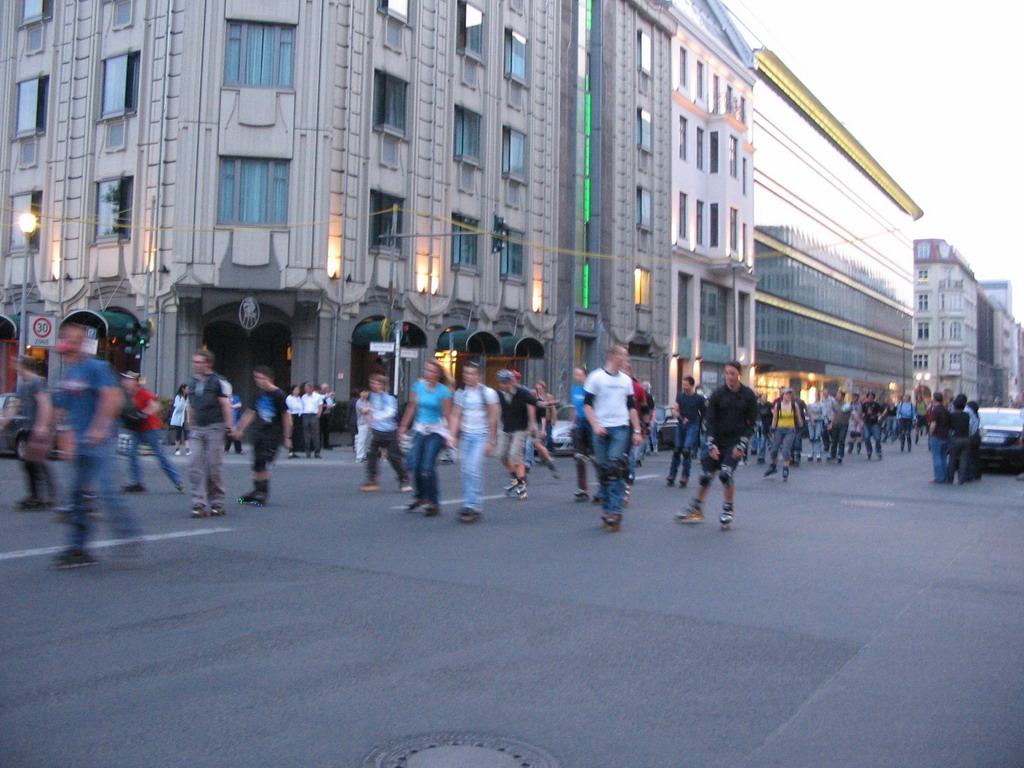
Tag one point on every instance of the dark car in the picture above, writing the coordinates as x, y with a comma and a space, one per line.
16, 432
666, 427
1001, 438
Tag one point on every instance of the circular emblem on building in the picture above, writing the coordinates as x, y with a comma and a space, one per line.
458, 748
249, 313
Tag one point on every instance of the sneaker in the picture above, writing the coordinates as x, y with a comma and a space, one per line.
612, 522
179, 487
581, 495
134, 488
692, 515
670, 481
188, 451
431, 510
521, 491
177, 452
725, 520
770, 471
217, 510
370, 486
198, 510
470, 516
406, 488
554, 470
73, 558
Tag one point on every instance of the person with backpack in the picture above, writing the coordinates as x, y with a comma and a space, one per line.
518, 424
905, 416
787, 420
269, 410
209, 414
142, 419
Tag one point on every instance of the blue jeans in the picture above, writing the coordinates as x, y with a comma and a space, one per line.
940, 451
814, 435
93, 473
687, 443
471, 457
152, 439
422, 465
838, 439
873, 431
613, 446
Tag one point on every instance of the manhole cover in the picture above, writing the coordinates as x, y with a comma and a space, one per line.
458, 749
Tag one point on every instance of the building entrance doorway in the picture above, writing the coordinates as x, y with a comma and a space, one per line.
238, 350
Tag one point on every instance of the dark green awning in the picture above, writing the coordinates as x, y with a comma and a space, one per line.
9, 327
471, 342
110, 323
522, 346
381, 330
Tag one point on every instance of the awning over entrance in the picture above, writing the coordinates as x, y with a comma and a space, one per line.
382, 330
471, 342
8, 327
110, 324
522, 346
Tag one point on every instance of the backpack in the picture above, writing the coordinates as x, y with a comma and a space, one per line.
131, 417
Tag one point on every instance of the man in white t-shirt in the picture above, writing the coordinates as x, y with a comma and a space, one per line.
475, 428
611, 411
312, 407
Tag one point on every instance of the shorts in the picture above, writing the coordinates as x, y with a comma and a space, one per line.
854, 435
511, 447
263, 452
725, 458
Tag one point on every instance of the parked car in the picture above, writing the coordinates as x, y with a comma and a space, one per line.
561, 431
1002, 444
666, 427
16, 433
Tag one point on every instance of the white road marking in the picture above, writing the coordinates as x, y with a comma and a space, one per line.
502, 495
868, 503
112, 543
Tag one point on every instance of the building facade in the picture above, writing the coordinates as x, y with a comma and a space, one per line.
1006, 348
834, 295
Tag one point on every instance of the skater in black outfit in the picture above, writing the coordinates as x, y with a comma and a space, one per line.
731, 417
273, 427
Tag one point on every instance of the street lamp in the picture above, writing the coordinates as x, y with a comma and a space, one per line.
27, 223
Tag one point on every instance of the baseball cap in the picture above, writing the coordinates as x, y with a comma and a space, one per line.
130, 375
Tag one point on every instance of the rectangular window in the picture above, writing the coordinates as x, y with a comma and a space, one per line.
700, 80
683, 305
513, 153
259, 55
467, 135
923, 332
32, 106
954, 301
744, 176
398, 8
35, 10
515, 55
713, 305
713, 226
743, 244
512, 255
716, 94
922, 302
734, 154
388, 102
122, 13
713, 151
643, 129
31, 202
253, 191
643, 52
683, 149
700, 149
734, 227
641, 286
743, 110
683, 212
464, 247
920, 361
385, 222
121, 85
643, 208
942, 330
114, 209
922, 275
682, 69
744, 310
955, 331
700, 222
955, 361
471, 30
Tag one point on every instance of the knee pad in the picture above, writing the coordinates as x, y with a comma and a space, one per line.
630, 477
613, 469
725, 475
705, 479
687, 453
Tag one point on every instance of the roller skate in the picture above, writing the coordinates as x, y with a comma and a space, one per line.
581, 496
217, 510
625, 495
554, 470
257, 498
725, 519
510, 489
670, 481
771, 470
520, 492
612, 522
693, 514
785, 474
470, 516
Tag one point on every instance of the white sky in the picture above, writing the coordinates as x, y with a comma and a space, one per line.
929, 87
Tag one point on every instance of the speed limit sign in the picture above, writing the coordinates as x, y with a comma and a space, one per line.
41, 331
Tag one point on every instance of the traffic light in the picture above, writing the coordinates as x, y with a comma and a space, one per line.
130, 340
498, 234
144, 334
137, 338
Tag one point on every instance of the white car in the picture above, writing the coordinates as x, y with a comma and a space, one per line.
561, 431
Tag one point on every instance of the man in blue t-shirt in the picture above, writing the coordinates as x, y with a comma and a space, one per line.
90, 399
689, 410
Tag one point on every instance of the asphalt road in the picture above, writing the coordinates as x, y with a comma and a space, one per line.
854, 616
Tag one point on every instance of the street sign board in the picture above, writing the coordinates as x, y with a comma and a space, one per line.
409, 353
382, 346
41, 331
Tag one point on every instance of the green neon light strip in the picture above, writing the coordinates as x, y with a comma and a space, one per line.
586, 285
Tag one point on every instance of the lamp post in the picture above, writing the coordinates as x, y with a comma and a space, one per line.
27, 223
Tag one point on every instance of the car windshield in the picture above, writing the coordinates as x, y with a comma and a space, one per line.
1001, 419
567, 413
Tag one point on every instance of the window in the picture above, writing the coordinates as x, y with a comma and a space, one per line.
923, 332
743, 244
743, 110
922, 302
744, 310
700, 222
512, 255
385, 222
712, 313
122, 13
700, 80
643, 52
683, 305
744, 177
398, 8
700, 149
922, 275
513, 153
953, 301
955, 359
920, 361
114, 209
643, 129
471, 30
713, 149
30, 202
253, 191
682, 68
467, 135
716, 93
35, 10
643, 208
32, 106
515, 55
388, 102
713, 226
121, 85
734, 226
259, 55
464, 247
641, 286
942, 330
683, 150
924, 251
955, 331
734, 154
683, 213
